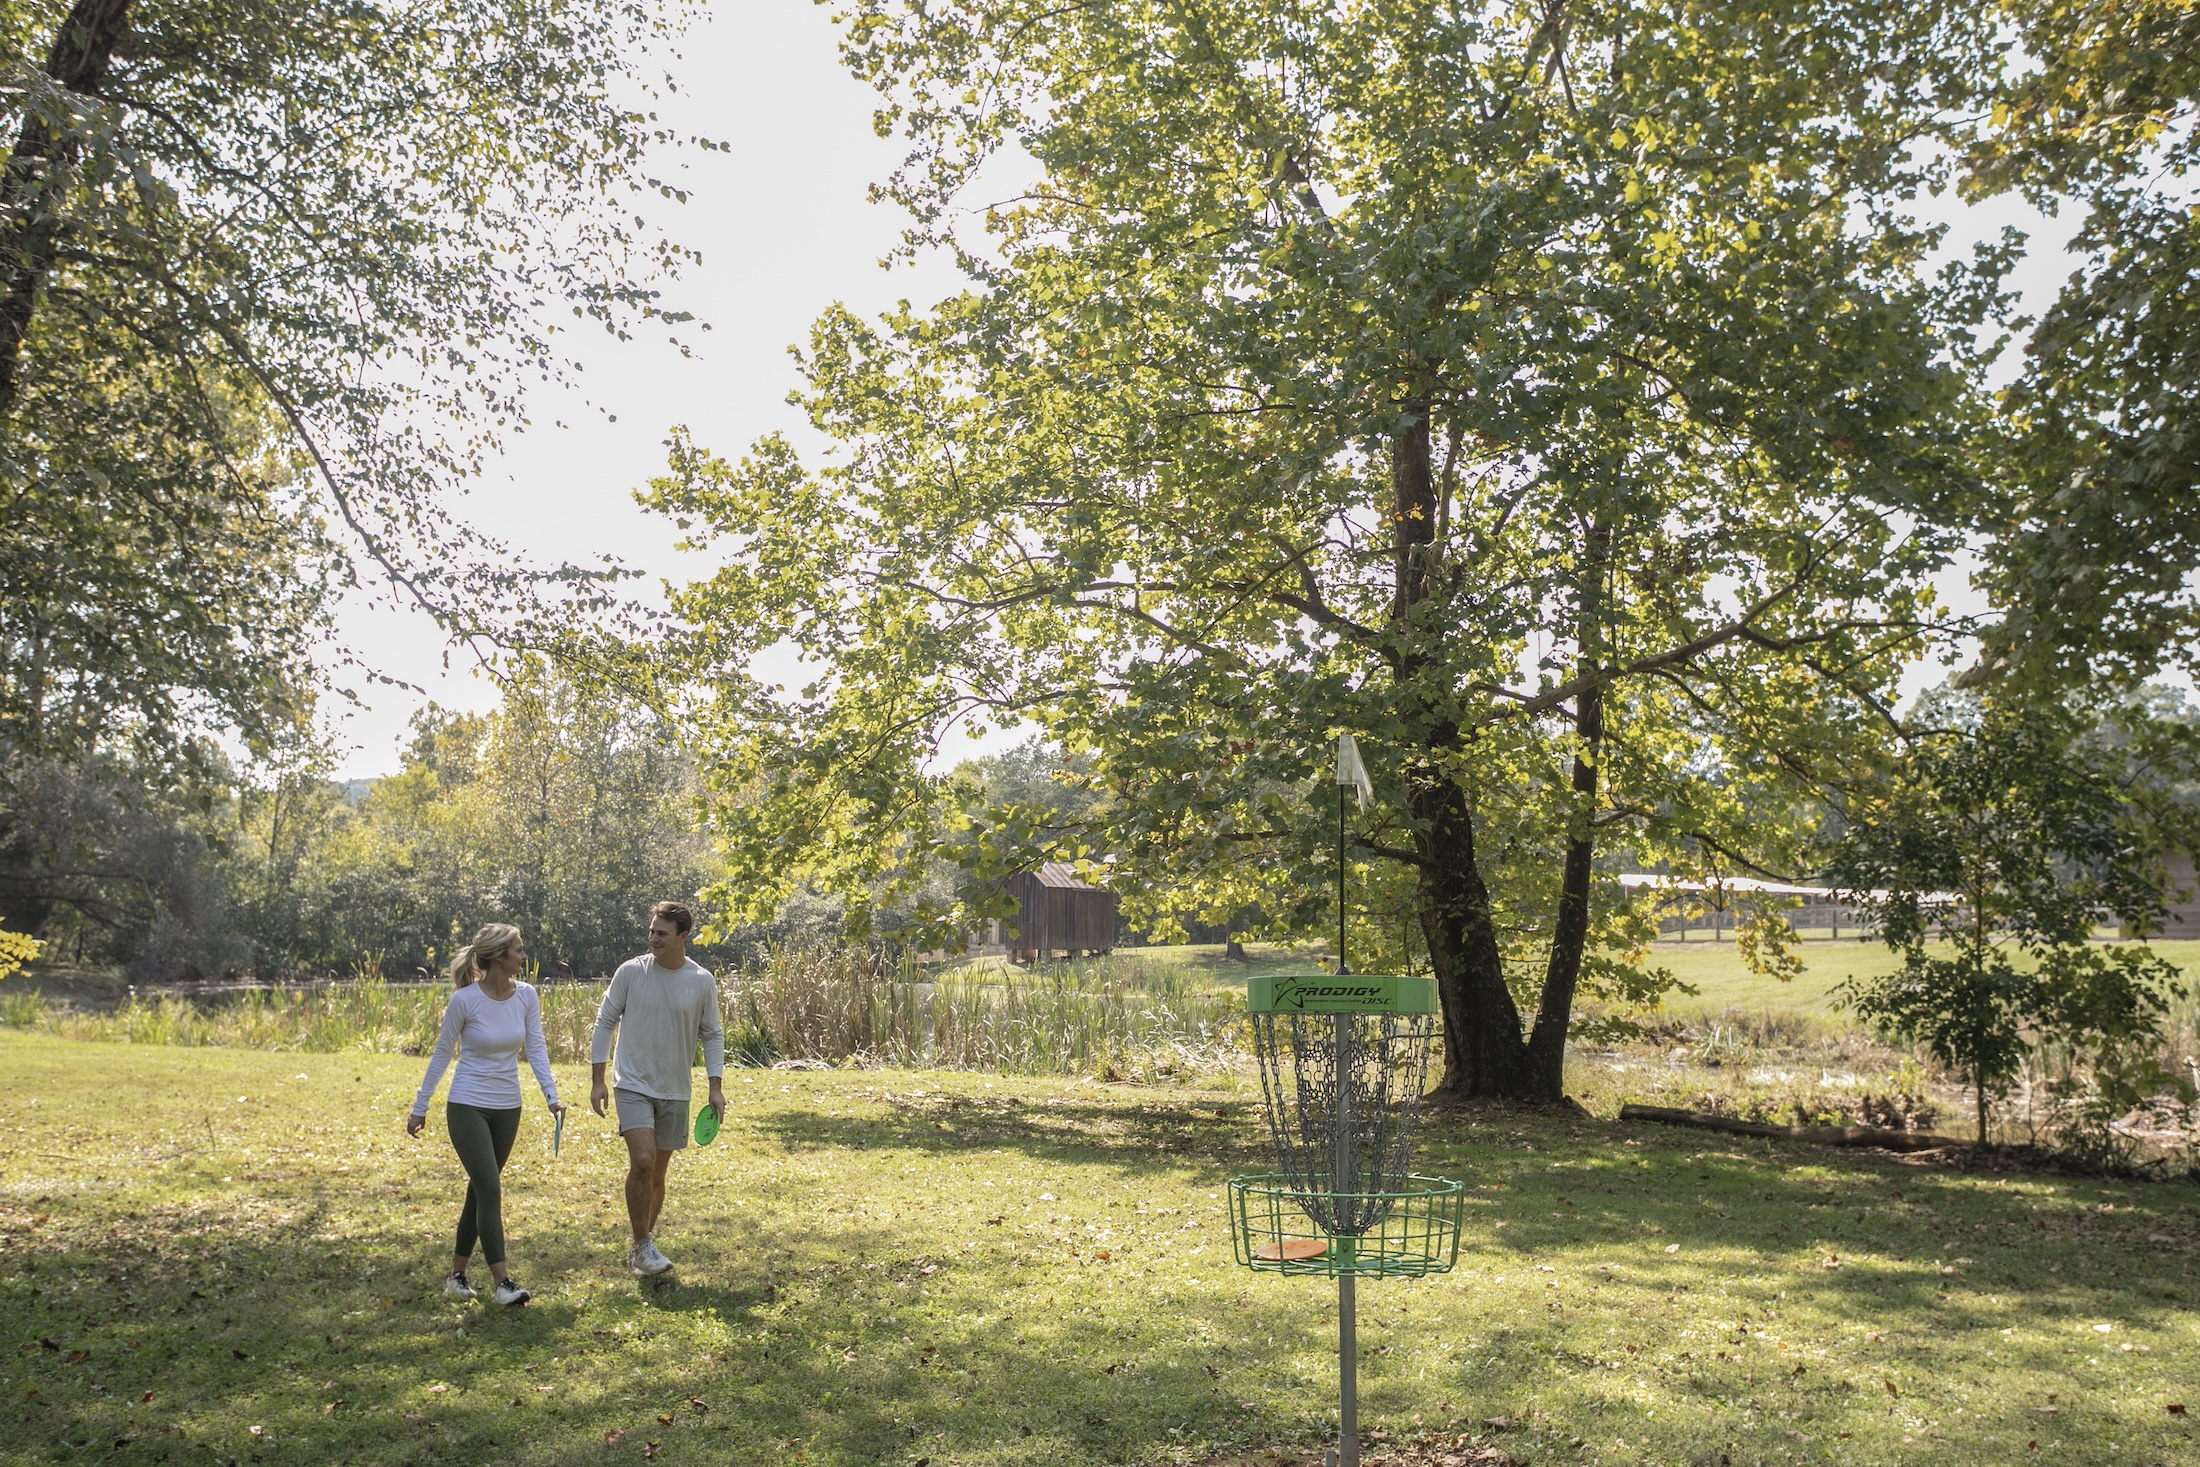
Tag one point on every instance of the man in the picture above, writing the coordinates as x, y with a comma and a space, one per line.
661, 1005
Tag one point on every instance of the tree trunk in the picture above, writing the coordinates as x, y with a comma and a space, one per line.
34, 183
1570, 933
1484, 1053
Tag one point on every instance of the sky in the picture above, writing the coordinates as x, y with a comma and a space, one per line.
785, 229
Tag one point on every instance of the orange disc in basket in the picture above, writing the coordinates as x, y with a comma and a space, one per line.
1291, 1250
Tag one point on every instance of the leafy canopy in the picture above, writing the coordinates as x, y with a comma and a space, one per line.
346, 233
1534, 394
2097, 537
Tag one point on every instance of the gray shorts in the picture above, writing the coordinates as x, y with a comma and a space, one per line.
668, 1118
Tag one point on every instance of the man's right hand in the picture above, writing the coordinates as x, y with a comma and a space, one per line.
599, 1097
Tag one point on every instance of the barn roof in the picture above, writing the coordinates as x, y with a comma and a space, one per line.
1062, 874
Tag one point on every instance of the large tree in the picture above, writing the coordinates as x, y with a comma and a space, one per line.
1536, 392
345, 236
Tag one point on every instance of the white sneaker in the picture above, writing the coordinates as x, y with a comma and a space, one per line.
644, 1261
457, 1287
509, 1293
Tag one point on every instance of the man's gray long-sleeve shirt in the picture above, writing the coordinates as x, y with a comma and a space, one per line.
659, 1014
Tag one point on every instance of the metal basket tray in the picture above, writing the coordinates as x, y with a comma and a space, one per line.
1415, 1232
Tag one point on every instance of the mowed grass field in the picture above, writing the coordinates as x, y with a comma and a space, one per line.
1713, 967
233, 1256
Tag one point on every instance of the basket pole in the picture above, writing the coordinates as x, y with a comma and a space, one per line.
1348, 1353
1341, 966
1344, 1180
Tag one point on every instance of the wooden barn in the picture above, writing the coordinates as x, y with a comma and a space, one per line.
1057, 913
2184, 897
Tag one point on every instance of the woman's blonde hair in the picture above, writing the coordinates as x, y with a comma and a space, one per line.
489, 944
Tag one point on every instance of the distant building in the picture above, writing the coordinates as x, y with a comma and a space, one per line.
1057, 913
2184, 897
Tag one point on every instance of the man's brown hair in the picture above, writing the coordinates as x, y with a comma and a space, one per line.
676, 913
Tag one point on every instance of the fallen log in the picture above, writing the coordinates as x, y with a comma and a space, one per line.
1824, 1135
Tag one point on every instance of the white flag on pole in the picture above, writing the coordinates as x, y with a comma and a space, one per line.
1351, 773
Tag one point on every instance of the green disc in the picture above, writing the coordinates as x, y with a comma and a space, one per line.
706, 1126
1346, 993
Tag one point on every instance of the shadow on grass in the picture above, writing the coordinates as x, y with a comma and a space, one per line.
288, 1343
1861, 1233
1204, 1135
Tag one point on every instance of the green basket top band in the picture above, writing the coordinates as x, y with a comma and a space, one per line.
1348, 993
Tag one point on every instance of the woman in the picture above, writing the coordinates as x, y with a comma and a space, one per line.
488, 1021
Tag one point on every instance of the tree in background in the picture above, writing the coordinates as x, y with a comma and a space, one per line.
112, 863
16, 952
568, 811
2000, 846
2095, 544
1536, 393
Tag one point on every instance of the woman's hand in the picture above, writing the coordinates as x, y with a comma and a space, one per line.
415, 1124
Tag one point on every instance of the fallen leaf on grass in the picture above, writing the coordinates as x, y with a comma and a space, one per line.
2176, 1408
611, 1438
1891, 1388
664, 1418
650, 1449
1672, 1247
698, 1403
76, 1357
437, 1390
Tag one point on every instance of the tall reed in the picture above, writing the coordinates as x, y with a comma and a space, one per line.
818, 1003
835, 1005
368, 1015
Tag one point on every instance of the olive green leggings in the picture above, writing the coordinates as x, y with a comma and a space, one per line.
482, 1139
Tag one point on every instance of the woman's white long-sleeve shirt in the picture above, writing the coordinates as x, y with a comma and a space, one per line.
488, 1035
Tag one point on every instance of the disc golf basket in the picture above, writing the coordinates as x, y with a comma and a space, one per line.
1343, 1062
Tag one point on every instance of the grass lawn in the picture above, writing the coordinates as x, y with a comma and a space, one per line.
1717, 969
233, 1256
1714, 967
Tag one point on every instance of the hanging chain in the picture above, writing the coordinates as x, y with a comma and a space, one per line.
1343, 1121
